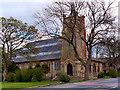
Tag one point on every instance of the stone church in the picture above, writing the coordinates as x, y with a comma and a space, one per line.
59, 55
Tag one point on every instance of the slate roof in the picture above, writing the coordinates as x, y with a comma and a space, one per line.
48, 50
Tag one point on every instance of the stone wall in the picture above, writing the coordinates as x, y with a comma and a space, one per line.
51, 65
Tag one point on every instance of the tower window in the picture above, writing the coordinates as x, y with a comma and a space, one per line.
82, 67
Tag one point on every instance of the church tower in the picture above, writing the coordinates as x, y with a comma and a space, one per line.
73, 28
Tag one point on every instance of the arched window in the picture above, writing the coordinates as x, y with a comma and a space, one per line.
59, 66
70, 69
94, 67
49, 66
30, 65
55, 65
22, 66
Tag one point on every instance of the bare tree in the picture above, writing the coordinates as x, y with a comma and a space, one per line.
111, 50
99, 21
97, 49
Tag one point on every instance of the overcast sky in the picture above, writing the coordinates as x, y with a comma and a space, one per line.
21, 10
24, 9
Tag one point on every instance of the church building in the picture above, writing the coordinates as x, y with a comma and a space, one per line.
59, 54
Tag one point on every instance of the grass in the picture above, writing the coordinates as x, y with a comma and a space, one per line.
25, 84
107, 77
32, 84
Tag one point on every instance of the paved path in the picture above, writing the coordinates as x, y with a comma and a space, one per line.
106, 83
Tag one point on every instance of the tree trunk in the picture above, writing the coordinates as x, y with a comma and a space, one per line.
86, 72
5, 73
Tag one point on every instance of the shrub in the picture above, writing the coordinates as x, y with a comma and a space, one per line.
17, 76
63, 76
37, 65
26, 75
45, 68
12, 67
101, 75
10, 77
113, 73
30, 67
107, 77
107, 74
38, 74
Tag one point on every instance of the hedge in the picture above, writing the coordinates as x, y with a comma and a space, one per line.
63, 76
17, 76
113, 73
10, 77
38, 74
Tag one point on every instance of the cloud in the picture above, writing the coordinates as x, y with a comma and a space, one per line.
25, 0
21, 10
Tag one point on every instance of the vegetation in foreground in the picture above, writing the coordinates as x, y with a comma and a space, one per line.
64, 77
35, 74
32, 84
25, 84
111, 74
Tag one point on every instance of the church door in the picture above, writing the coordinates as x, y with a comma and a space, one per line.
69, 69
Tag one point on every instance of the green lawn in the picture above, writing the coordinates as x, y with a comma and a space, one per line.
24, 84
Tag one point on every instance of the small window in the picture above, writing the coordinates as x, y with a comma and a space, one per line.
30, 65
59, 66
49, 66
82, 67
22, 66
55, 66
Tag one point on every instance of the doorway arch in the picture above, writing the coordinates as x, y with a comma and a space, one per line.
69, 69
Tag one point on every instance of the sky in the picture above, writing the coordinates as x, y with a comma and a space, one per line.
24, 9
21, 10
